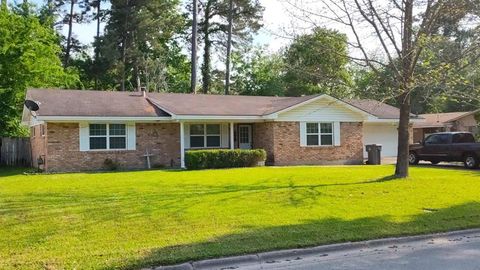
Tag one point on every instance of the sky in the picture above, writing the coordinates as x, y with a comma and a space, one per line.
281, 21
275, 17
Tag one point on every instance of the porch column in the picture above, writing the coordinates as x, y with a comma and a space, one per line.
232, 143
182, 145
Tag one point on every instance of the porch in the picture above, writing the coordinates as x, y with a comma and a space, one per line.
216, 135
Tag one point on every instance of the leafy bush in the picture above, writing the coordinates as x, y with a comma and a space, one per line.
211, 159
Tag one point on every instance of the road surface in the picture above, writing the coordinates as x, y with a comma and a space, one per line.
440, 253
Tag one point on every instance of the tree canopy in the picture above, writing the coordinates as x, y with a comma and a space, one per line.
29, 57
317, 63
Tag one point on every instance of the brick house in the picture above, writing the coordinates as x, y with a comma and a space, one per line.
78, 130
441, 122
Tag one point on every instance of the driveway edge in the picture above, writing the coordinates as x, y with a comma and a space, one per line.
293, 254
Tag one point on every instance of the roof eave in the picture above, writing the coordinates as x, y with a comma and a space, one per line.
102, 118
315, 98
463, 115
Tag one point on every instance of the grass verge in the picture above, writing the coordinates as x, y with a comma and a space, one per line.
134, 219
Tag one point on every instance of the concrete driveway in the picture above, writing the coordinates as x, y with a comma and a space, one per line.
461, 252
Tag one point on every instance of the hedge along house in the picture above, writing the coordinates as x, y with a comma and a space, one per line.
77, 130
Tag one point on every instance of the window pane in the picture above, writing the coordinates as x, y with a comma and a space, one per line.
432, 139
244, 132
117, 129
327, 139
326, 127
213, 141
98, 143
196, 141
98, 129
312, 139
196, 129
213, 129
117, 143
312, 128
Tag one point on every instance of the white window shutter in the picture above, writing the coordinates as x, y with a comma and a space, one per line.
131, 136
186, 136
303, 134
84, 137
336, 133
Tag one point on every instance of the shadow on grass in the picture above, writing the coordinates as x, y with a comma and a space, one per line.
179, 200
312, 232
11, 171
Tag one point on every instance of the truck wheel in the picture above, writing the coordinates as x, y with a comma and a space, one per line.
470, 161
413, 158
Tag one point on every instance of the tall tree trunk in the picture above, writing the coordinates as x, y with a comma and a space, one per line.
193, 78
124, 62
97, 52
137, 78
69, 37
50, 7
229, 47
206, 50
401, 169
124, 47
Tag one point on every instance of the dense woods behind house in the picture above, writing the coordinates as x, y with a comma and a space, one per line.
147, 43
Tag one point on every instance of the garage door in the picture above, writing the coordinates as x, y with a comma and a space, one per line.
384, 134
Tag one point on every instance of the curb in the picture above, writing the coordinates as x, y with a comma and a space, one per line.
292, 254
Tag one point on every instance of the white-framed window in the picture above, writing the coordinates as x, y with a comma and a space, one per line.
32, 130
107, 136
319, 134
205, 136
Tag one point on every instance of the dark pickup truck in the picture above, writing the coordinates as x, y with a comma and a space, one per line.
447, 146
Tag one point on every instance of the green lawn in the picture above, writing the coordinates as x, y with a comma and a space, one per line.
134, 219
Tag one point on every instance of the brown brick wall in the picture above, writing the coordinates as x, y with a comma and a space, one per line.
287, 149
162, 140
38, 143
262, 138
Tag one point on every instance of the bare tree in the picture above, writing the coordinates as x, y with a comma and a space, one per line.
400, 28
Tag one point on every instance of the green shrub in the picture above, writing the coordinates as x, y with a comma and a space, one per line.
212, 159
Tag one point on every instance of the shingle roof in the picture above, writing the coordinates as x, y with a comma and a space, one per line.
92, 103
376, 108
198, 104
438, 119
132, 104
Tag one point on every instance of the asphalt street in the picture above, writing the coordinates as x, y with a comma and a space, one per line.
440, 253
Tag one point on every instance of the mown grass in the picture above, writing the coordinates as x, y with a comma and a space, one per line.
135, 219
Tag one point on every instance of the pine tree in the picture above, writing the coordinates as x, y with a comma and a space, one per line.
139, 33
214, 25
77, 11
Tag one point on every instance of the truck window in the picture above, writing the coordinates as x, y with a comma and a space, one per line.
437, 139
463, 138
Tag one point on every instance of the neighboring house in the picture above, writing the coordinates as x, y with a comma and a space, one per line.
440, 122
78, 130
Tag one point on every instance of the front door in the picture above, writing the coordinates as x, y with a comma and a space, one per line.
245, 137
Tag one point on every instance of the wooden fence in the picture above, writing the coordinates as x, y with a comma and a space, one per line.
15, 152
